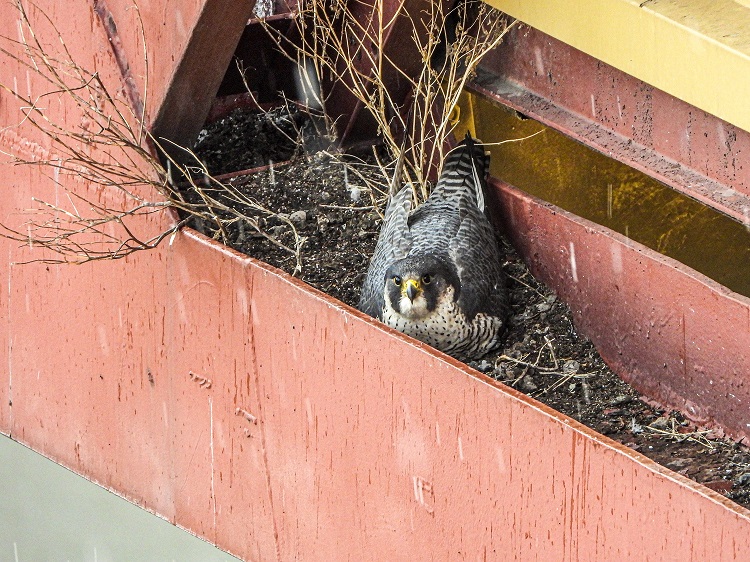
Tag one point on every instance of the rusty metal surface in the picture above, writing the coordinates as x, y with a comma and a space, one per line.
679, 337
625, 118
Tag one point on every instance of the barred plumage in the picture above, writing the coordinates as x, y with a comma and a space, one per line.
436, 273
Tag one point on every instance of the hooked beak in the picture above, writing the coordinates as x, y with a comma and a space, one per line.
411, 288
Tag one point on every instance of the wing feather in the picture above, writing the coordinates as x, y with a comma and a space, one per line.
394, 243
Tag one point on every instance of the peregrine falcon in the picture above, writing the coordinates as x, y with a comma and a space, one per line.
436, 273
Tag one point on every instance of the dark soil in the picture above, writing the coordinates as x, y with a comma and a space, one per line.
544, 356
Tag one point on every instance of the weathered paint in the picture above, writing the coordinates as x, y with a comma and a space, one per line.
696, 50
274, 428
272, 420
176, 52
680, 338
622, 117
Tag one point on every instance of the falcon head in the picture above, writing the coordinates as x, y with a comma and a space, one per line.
416, 285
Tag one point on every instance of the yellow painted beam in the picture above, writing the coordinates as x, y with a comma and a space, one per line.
695, 50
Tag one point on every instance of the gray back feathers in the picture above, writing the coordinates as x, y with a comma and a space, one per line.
451, 226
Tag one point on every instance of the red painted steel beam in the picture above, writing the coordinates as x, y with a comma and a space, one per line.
679, 337
188, 47
278, 423
686, 148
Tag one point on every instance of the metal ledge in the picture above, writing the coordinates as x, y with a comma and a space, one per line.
695, 50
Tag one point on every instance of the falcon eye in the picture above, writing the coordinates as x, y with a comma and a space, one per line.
397, 280
426, 278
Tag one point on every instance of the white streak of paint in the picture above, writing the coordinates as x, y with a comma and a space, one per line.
460, 448
573, 265
616, 251
501, 465
103, 341
539, 61
242, 302
211, 438
308, 410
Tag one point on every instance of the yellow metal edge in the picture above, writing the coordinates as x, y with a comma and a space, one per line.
695, 50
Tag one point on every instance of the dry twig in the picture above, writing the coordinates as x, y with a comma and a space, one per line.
115, 155
336, 44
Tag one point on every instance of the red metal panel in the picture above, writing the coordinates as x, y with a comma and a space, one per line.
623, 117
122, 371
251, 409
678, 336
359, 442
188, 46
383, 455
210, 363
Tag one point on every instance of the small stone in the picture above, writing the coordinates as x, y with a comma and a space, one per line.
660, 423
527, 384
721, 486
678, 464
325, 196
298, 218
485, 366
621, 399
543, 307
571, 367
743, 479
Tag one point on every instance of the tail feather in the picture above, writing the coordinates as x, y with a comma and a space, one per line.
466, 166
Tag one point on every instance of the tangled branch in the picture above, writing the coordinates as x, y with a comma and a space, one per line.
336, 44
113, 153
